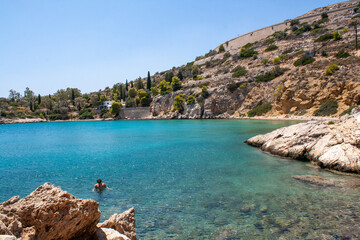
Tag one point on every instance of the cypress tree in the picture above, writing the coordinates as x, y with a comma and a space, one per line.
120, 92
132, 84
148, 82
126, 85
39, 99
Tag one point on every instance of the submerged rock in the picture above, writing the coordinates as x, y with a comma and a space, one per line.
317, 180
330, 145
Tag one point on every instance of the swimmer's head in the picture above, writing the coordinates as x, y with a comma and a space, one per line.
99, 181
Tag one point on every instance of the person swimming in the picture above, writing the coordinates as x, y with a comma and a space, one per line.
99, 186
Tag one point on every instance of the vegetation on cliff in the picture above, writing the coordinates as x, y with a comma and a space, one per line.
312, 60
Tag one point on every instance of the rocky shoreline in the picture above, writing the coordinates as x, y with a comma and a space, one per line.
279, 117
51, 213
328, 144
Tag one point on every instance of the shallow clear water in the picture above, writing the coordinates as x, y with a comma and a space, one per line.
186, 179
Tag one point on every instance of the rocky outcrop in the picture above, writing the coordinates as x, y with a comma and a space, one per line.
329, 145
51, 213
123, 223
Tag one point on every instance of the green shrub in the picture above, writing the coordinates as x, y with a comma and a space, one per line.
316, 30
276, 72
299, 52
290, 50
232, 87
348, 111
57, 116
342, 54
190, 100
247, 53
154, 91
14, 104
132, 92
131, 102
238, 71
276, 61
269, 41
221, 48
243, 85
265, 61
86, 114
280, 35
164, 87
248, 45
260, 110
198, 78
324, 53
116, 107
331, 123
204, 92
331, 69
175, 84
304, 60
337, 36
327, 108
271, 48
324, 15
179, 103
325, 37
294, 22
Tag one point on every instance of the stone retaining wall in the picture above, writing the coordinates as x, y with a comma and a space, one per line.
262, 33
136, 113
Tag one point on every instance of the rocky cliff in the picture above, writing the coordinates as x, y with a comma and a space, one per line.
296, 71
334, 145
51, 213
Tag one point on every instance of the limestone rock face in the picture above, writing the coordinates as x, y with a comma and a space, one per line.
335, 146
123, 223
49, 213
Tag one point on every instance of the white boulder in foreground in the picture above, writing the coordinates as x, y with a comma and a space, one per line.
335, 146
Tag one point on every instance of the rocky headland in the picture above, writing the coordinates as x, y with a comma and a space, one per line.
51, 213
328, 144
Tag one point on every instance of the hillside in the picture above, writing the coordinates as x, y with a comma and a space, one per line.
232, 80
306, 66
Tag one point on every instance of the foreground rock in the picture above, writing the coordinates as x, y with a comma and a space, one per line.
123, 223
335, 146
51, 213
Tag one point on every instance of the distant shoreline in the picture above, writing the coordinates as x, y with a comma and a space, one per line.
271, 118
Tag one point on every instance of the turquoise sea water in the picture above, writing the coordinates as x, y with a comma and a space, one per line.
186, 179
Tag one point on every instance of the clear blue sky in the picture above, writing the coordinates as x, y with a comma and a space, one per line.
52, 44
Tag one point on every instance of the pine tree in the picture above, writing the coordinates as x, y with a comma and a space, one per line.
180, 76
148, 83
